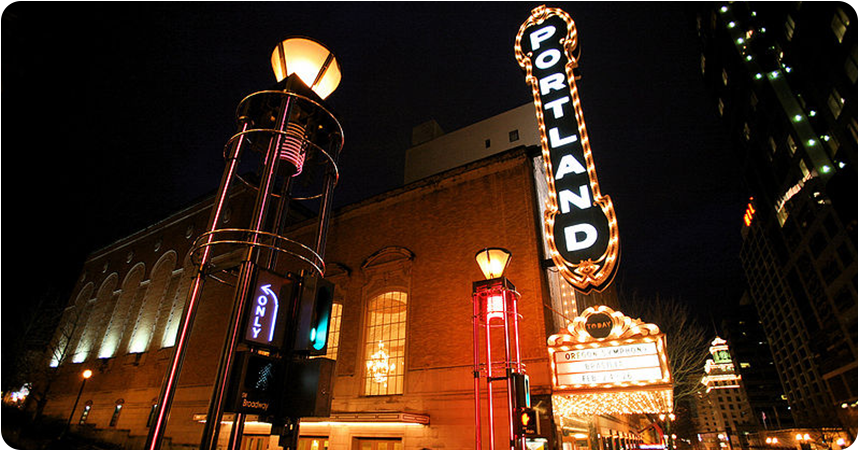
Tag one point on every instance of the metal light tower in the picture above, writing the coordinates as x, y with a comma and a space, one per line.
494, 303
285, 133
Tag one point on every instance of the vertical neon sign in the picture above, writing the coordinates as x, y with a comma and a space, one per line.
580, 225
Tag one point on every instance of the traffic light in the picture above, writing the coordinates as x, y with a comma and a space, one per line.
254, 384
526, 422
522, 398
314, 319
307, 389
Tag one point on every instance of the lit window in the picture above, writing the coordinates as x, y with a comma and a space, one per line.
86, 412
385, 344
725, 78
789, 28
116, 410
703, 64
334, 331
152, 410
835, 101
792, 147
839, 24
720, 106
803, 169
747, 131
851, 69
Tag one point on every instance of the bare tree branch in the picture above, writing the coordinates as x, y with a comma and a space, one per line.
686, 340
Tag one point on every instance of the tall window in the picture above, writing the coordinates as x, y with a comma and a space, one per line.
385, 344
839, 24
334, 331
116, 410
85, 412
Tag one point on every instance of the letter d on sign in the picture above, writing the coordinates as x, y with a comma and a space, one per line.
570, 236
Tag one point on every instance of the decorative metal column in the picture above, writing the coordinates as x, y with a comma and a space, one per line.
285, 134
494, 303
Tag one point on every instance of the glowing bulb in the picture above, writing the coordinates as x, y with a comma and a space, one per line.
310, 61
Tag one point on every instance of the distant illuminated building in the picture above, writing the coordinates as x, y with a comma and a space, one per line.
723, 408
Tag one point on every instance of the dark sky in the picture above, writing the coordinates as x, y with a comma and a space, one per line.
114, 115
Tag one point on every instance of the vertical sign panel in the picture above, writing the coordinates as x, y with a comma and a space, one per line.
267, 310
581, 229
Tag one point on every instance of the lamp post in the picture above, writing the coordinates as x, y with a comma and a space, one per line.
286, 127
86, 376
494, 307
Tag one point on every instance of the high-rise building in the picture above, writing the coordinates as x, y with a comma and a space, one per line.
753, 361
785, 80
722, 406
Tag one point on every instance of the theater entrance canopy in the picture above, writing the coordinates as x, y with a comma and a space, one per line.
608, 363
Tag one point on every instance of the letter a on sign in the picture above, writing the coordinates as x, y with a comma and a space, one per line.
579, 222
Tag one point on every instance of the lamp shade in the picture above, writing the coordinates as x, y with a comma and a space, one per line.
493, 261
310, 60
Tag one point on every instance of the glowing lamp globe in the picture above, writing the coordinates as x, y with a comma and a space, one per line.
87, 374
493, 261
310, 61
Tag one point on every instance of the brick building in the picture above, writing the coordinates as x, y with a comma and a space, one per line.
402, 264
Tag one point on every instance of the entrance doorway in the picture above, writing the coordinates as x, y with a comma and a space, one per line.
377, 444
255, 442
313, 443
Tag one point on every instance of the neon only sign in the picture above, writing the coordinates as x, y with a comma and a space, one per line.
266, 312
580, 225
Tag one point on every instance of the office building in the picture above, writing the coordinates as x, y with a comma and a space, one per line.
784, 78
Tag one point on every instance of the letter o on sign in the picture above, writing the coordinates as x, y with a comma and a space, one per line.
548, 58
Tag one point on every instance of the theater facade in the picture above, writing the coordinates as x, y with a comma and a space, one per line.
402, 264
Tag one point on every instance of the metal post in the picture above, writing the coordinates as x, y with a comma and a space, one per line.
476, 323
508, 370
490, 413
168, 387
74, 407
209, 439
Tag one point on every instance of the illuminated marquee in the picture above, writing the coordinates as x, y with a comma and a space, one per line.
581, 229
606, 362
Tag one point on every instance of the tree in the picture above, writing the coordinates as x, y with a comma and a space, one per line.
686, 340
45, 345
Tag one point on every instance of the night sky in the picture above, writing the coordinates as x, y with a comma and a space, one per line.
114, 115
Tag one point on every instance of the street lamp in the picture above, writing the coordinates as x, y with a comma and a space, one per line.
287, 131
86, 374
494, 307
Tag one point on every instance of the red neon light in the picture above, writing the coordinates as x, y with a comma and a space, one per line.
749, 213
495, 307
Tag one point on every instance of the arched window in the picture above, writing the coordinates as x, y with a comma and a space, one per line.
116, 410
85, 412
145, 320
385, 343
388, 275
